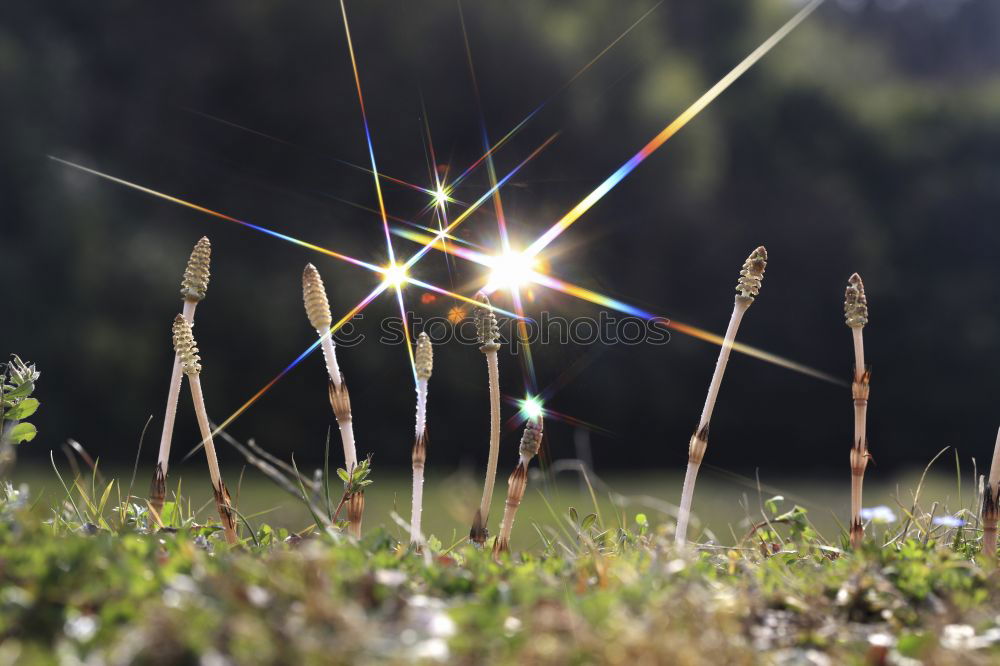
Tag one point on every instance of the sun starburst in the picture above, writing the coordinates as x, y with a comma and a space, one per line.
509, 270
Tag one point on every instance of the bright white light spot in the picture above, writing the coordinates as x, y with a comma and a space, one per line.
510, 270
395, 275
440, 196
531, 407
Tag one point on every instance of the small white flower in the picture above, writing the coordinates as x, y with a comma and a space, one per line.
81, 627
390, 577
433, 649
258, 596
958, 637
878, 514
948, 521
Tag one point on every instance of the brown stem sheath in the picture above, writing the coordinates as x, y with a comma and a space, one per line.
340, 401
531, 442
516, 485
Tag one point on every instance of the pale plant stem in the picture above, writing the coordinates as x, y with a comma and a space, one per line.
739, 309
221, 494
347, 436
687, 495
418, 500
419, 456
421, 406
699, 442
330, 356
423, 363
493, 366
172, 396
859, 351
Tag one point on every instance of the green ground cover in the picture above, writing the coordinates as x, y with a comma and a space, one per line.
85, 579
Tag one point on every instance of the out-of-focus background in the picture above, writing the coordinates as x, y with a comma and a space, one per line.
868, 141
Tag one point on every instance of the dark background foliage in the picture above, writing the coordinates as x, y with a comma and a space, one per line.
867, 141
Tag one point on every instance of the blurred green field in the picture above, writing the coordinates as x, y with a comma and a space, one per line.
724, 502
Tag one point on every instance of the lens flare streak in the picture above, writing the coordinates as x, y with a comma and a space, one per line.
686, 329
606, 301
459, 297
221, 216
527, 363
368, 136
686, 116
555, 94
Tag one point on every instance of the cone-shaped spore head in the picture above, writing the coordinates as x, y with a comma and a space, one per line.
751, 275
194, 284
531, 439
184, 346
314, 296
423, 357
487, 330
855, 303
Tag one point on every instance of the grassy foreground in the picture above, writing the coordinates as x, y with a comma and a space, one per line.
88, 582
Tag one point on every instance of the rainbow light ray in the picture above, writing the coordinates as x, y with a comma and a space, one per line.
683, 119
596, 298
465, 299
490, 169
551, 97
490, 150
368, 134
208, 211
686, 329
406, 332
441, 207
429, 240
221, 216
378, 189
527, 363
